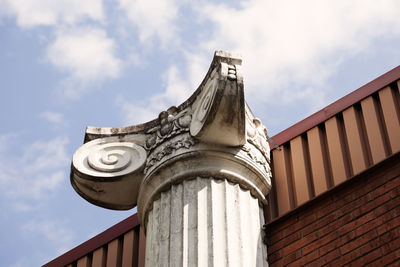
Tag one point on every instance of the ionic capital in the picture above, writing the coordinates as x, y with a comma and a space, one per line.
212, 134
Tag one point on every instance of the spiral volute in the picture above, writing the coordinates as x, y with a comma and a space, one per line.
109, 158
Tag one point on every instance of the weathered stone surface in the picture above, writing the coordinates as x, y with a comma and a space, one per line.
205, 222
198, 174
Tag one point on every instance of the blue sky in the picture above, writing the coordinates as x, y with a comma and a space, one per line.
66, 64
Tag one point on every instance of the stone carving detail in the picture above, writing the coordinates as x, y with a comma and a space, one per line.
215, 122
257, 136
168, 149
232, 72
258, 158
204, 105
170, 126
105, 159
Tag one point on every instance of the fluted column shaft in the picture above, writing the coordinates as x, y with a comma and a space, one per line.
205, 222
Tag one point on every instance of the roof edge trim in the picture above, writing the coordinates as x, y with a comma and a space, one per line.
337, 106
95, 242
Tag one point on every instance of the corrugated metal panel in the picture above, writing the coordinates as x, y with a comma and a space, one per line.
121, 245
327, 154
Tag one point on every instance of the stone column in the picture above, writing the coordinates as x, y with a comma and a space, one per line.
198, 174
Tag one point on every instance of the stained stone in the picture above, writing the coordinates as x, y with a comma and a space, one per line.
198, 174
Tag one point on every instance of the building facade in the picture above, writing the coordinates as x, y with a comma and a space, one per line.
334, 197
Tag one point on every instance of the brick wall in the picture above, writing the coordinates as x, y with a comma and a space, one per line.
356, 224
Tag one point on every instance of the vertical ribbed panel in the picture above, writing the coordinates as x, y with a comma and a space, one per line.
99, 257
130, 248
127, 250
337, 153
281, 176
209, 222
390, 108
330, 153
374, 129
84, 262
301, 177
319, 163
358, 157
114, 253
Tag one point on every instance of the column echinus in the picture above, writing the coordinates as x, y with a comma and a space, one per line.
198, 174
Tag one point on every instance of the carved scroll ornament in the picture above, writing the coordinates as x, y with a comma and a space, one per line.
215, 122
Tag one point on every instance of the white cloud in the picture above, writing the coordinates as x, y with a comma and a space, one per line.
153, 19
30, 13
34, 173
290, 49
87, 55
54, 117
291, 44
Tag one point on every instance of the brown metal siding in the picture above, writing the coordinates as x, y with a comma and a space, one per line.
121, 245
333, 151
318, 155
301, 177
99, 257
373, 125
283, 188
390, 107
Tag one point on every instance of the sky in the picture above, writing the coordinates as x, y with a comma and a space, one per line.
67, 64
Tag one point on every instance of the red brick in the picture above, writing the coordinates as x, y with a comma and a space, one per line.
371, 245
343, 196
372, 204
326, 210
309, 213
366, 258
354, 224
383, 189
319, 242
304, 260
335, 225
300, 243
389, 236
396, 263
391, 246
320, 205
319, 224
395, 222
344, 259
356, 203
373, 224
287, 259
395, 212
392, 258
292, 228
385, 243
368, 185
395, 192
284, 242
388, 206
357, 242
273, 236
326, 259
277, 227
338, 242
358, 225
273, 257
